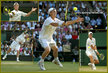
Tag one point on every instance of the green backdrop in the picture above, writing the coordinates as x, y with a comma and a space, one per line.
99, 36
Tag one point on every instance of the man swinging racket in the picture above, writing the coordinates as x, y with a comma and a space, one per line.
46, 36
16, 14
15, 45
90, 51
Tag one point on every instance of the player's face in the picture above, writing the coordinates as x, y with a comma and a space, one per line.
16, 7
90, 36
53, 13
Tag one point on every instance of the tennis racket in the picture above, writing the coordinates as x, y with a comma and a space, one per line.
66, 10
6, 10
101, 56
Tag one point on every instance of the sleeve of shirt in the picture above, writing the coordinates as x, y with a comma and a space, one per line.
23, 14
60, 22
48, 21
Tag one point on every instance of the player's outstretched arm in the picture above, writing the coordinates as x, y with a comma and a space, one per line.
74, 21
68, 22
33, 9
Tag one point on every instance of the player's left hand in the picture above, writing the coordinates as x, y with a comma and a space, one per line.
79, 19
34, 9
98, 53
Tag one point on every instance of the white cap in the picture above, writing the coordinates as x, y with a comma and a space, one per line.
90, 33
51, 9
15, 4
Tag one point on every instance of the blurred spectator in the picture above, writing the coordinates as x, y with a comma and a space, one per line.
99, 21
74, 35
68, 36
87, 20
59, 47
93, 22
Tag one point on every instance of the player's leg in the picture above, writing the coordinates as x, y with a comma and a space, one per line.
11, 47
92, 62
8, 51
44, 54
96, 60
45, 45
89, 54
17, 48
17, 55
55, 51
55, 54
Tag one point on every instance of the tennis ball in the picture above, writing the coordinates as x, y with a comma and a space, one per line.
5, 9
88, 46
75, 8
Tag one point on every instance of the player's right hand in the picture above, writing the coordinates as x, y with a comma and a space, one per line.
34, 9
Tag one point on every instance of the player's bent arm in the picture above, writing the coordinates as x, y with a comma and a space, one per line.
54, 24
93, 47
96, 50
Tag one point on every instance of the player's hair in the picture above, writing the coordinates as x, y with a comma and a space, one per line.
50, 11
16, 3
89, 33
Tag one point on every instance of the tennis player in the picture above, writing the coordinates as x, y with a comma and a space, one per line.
16, 14
15, 45
46, 36
90, 51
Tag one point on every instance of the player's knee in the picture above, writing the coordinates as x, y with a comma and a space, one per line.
56, 49
91, 57
47, 50
97, 62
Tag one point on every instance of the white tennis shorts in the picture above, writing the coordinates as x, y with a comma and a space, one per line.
15, 45
47, 43
92, 53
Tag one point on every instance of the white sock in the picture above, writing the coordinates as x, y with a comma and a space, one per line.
93, 64
41, 60
17, 58
56, 58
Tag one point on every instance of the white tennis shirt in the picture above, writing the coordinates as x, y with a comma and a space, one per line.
17, 16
